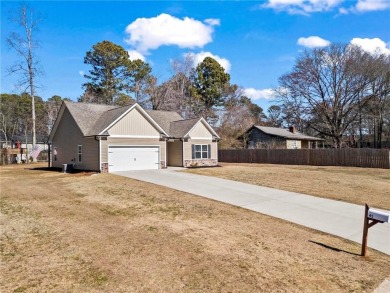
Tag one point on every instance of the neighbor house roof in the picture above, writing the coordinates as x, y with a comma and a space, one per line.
285, 133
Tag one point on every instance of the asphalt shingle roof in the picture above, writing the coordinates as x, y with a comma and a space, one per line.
94, 118
87, 115
285, 133
182, 127
164, 118
106, 119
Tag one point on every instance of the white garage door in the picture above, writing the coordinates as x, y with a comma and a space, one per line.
132, 158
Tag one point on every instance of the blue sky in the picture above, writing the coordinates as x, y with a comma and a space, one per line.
256, 41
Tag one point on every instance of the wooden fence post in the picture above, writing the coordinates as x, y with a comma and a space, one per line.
365, 231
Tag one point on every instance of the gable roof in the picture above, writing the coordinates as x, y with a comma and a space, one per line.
96, 119
285, 133
164, 118
108, 118
182, 127
86, 115
93, 118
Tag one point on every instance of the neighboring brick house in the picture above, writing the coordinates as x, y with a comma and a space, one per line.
111, 138
273, 137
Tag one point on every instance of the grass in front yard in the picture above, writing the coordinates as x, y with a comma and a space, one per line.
105, 233
354, 185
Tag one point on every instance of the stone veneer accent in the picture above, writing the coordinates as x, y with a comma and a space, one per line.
104, 168
200, 163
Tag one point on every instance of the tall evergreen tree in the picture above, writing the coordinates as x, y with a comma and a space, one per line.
109, 66
113, 74
209, 84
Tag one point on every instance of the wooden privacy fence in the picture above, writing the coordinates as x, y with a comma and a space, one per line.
368, 158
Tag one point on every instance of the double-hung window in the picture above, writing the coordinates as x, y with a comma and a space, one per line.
294, 144
200, 151
80, 153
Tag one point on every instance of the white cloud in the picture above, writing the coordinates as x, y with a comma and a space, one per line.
199, 57
372, 5
212, 21
301, 6
81, 73
372, 46
150, 33
313, 42
366, 6
134, 55
265, 94
343, 10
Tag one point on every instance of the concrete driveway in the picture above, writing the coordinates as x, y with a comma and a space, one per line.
329, 216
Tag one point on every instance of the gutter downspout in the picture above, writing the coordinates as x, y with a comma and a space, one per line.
100, 155
49, 155
98, 138
182, 151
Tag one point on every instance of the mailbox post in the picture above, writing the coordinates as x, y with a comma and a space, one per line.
371, 218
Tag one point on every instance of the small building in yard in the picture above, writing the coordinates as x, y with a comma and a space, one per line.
110, 138
18, 148
278, 138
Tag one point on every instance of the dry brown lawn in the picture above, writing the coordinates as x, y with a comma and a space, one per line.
105, 233
354, 185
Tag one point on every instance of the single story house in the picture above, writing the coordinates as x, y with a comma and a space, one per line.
110, 138
273, 137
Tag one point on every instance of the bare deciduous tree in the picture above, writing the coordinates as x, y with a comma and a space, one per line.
379, 95
25, 46
174, 94
325, 86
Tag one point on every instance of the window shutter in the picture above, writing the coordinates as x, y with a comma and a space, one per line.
209, 151
193, 151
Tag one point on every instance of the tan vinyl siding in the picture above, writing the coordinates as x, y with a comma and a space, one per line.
104, 150
134, 124
200, 131
175, 153
66, 141
90, 154
188, 148
132, 142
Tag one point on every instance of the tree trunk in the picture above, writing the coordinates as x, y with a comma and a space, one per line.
32, 93
360, 126
375, 132
25, 137
380, 130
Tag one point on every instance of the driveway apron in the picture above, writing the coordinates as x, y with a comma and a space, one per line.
334, 217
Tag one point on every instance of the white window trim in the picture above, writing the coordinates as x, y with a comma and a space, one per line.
198, 137
201, 151
133, 136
